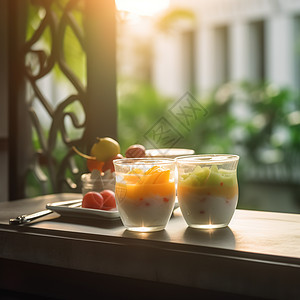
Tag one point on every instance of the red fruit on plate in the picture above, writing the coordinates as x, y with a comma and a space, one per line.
93, 200
109, 200
93, 164
108, 165
135, 151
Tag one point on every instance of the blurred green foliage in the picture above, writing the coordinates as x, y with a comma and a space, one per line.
248, 118
259, 122
139, 107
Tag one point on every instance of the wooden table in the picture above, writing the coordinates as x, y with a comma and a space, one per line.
258, 255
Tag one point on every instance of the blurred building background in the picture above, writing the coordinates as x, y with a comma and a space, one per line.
228, 40
201, 44
241, 60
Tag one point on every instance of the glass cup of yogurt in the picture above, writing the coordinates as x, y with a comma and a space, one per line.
207, 189
145, 192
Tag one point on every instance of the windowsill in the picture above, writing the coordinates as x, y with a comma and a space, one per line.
257, 255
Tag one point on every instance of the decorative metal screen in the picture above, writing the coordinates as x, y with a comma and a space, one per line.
47, 70
62, 96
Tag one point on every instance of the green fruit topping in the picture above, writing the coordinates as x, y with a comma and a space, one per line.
201, 173
209, 176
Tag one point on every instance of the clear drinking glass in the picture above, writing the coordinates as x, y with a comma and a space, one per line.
207, 189
145, 192
96, 184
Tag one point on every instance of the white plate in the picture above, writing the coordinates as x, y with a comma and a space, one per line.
83, 212
79, 212
168, 152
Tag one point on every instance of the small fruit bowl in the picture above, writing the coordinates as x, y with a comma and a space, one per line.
207, 189
95, 182
145, 192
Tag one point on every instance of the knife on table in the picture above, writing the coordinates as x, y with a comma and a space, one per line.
23, 219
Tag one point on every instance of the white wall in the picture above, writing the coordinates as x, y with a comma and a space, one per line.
279, 50
245, 55
169, 69
240, 51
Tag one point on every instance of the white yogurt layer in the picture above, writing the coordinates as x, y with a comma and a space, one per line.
207, 210
152, 211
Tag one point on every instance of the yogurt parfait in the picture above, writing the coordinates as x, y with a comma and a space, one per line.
207, 189
145, 192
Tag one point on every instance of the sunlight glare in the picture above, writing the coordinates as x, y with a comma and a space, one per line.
142, 7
